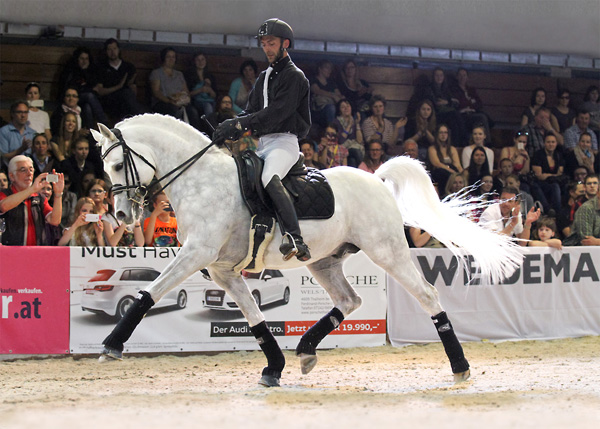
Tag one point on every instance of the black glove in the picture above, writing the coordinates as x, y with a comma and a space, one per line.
231, 129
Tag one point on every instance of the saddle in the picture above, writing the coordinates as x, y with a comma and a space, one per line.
312, 196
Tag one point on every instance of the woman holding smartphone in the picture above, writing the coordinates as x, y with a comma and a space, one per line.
517, 153
86, 228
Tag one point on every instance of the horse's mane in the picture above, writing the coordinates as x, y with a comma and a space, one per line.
181, 129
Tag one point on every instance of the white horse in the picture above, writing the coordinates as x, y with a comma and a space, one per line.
213, 224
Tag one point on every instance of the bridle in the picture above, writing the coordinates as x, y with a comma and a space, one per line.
136, 191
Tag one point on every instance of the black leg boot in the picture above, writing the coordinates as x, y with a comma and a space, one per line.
288, 221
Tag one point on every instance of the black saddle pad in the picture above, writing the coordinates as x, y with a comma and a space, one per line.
309, 189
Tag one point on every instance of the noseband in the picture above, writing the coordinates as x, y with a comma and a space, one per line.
136, 191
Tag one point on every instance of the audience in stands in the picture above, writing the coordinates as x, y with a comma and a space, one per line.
53, 232
446, 105
537, 129
443, 157
78, 164
562, 115
69, 105
545, 234
160, 228
307, 147
548, 167
241, 86
538, 99
16, 137
582, 125
331, 152
350, 133
478, 166
3, 180
43, 161
455, 183
170, 93
526, 199
410, 148
517, 153
65, 135
202, 85
421, 128
83, 232
586, 224
354, 89
478, 139
591, 103
378, 125
581, 155
69, 200
324, 94
81, 74
470, 105
566, 216
39, 120
374, 157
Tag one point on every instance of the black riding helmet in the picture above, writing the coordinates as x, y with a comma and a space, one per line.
278, 28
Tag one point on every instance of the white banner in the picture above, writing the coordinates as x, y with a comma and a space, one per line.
199, 316
555, 294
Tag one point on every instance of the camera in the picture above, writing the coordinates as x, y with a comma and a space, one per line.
36, 103
92, 217
52, 178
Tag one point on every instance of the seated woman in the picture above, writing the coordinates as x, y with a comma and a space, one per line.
53, 232
43, 161
170, 94
240, 87
350, 133
378, 125
478, 139
353, 88
69, 104
66, 134
307, 147
538, 99
563, 115
445, 106
581, 155
82, 232
201, 85
479, 166
331, 153
39, 120
548, 166
374, 157
80, 73
324, 93
443, 157
422, 127
517, 153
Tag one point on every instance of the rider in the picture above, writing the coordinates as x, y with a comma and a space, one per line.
277, 112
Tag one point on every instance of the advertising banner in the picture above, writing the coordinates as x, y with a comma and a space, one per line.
554, 294
34, 300
199, 316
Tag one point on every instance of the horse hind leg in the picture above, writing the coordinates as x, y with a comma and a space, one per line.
328, 272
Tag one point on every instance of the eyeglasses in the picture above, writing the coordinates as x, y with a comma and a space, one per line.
97, 191
330, 135
25, 170
21, 112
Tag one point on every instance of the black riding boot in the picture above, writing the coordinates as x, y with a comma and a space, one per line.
288, 221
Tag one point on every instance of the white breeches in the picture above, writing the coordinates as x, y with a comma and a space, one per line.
280, 152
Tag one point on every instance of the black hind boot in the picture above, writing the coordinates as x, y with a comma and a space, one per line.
288, 222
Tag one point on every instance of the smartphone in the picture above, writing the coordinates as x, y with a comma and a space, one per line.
36, 103
92, 217
52, 178
169, 208
520, 146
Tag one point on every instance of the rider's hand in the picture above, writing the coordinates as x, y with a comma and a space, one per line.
231, 129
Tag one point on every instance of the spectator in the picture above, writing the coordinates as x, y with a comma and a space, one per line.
241, 86
43, 161
517, 153
562, 116
3, 180
538, 99
573, 133
545, 234
455, 183
201, 85
69, 105
324, 94
116, 232
581, 155
350, 133
580, 173
485, 193
331, 153
16, 138
307, 147
445, 106
548, 167
505, 170
116, 83
81, 74
526, 199
69, 201
160, 229
479, 166
374, 157
78, 164
537, 129
469, 104
478, 139
591, 103
378, 125
24, 210
410, 148
566, 216
505, 216
422, 127
170, 94
591, 186
66, 134
586, 224
422, 239
443, 157
38, 119
224, 111
354, 89
53, 232
83, 232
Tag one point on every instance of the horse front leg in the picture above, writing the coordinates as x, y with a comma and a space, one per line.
184, 265
235, 286
330, 275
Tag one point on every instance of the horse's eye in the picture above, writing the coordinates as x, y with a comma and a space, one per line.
119, 166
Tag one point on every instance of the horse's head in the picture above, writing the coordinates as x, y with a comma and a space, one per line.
129, 169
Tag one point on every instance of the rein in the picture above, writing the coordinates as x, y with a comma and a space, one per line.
141, 191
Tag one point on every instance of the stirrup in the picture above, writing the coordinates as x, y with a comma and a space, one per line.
293, 248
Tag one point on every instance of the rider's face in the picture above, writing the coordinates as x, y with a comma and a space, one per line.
271, 46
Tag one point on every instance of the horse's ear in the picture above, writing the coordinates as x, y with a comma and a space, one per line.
106, 132
97, 136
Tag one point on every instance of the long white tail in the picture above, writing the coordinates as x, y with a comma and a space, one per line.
496, 254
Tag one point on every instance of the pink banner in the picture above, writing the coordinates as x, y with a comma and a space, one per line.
34, 300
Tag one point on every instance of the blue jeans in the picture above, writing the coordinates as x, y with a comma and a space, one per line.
547, 193
91, 110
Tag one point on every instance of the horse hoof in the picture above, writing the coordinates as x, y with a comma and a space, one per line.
269, 381
307, 362
110, 354
462, 376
